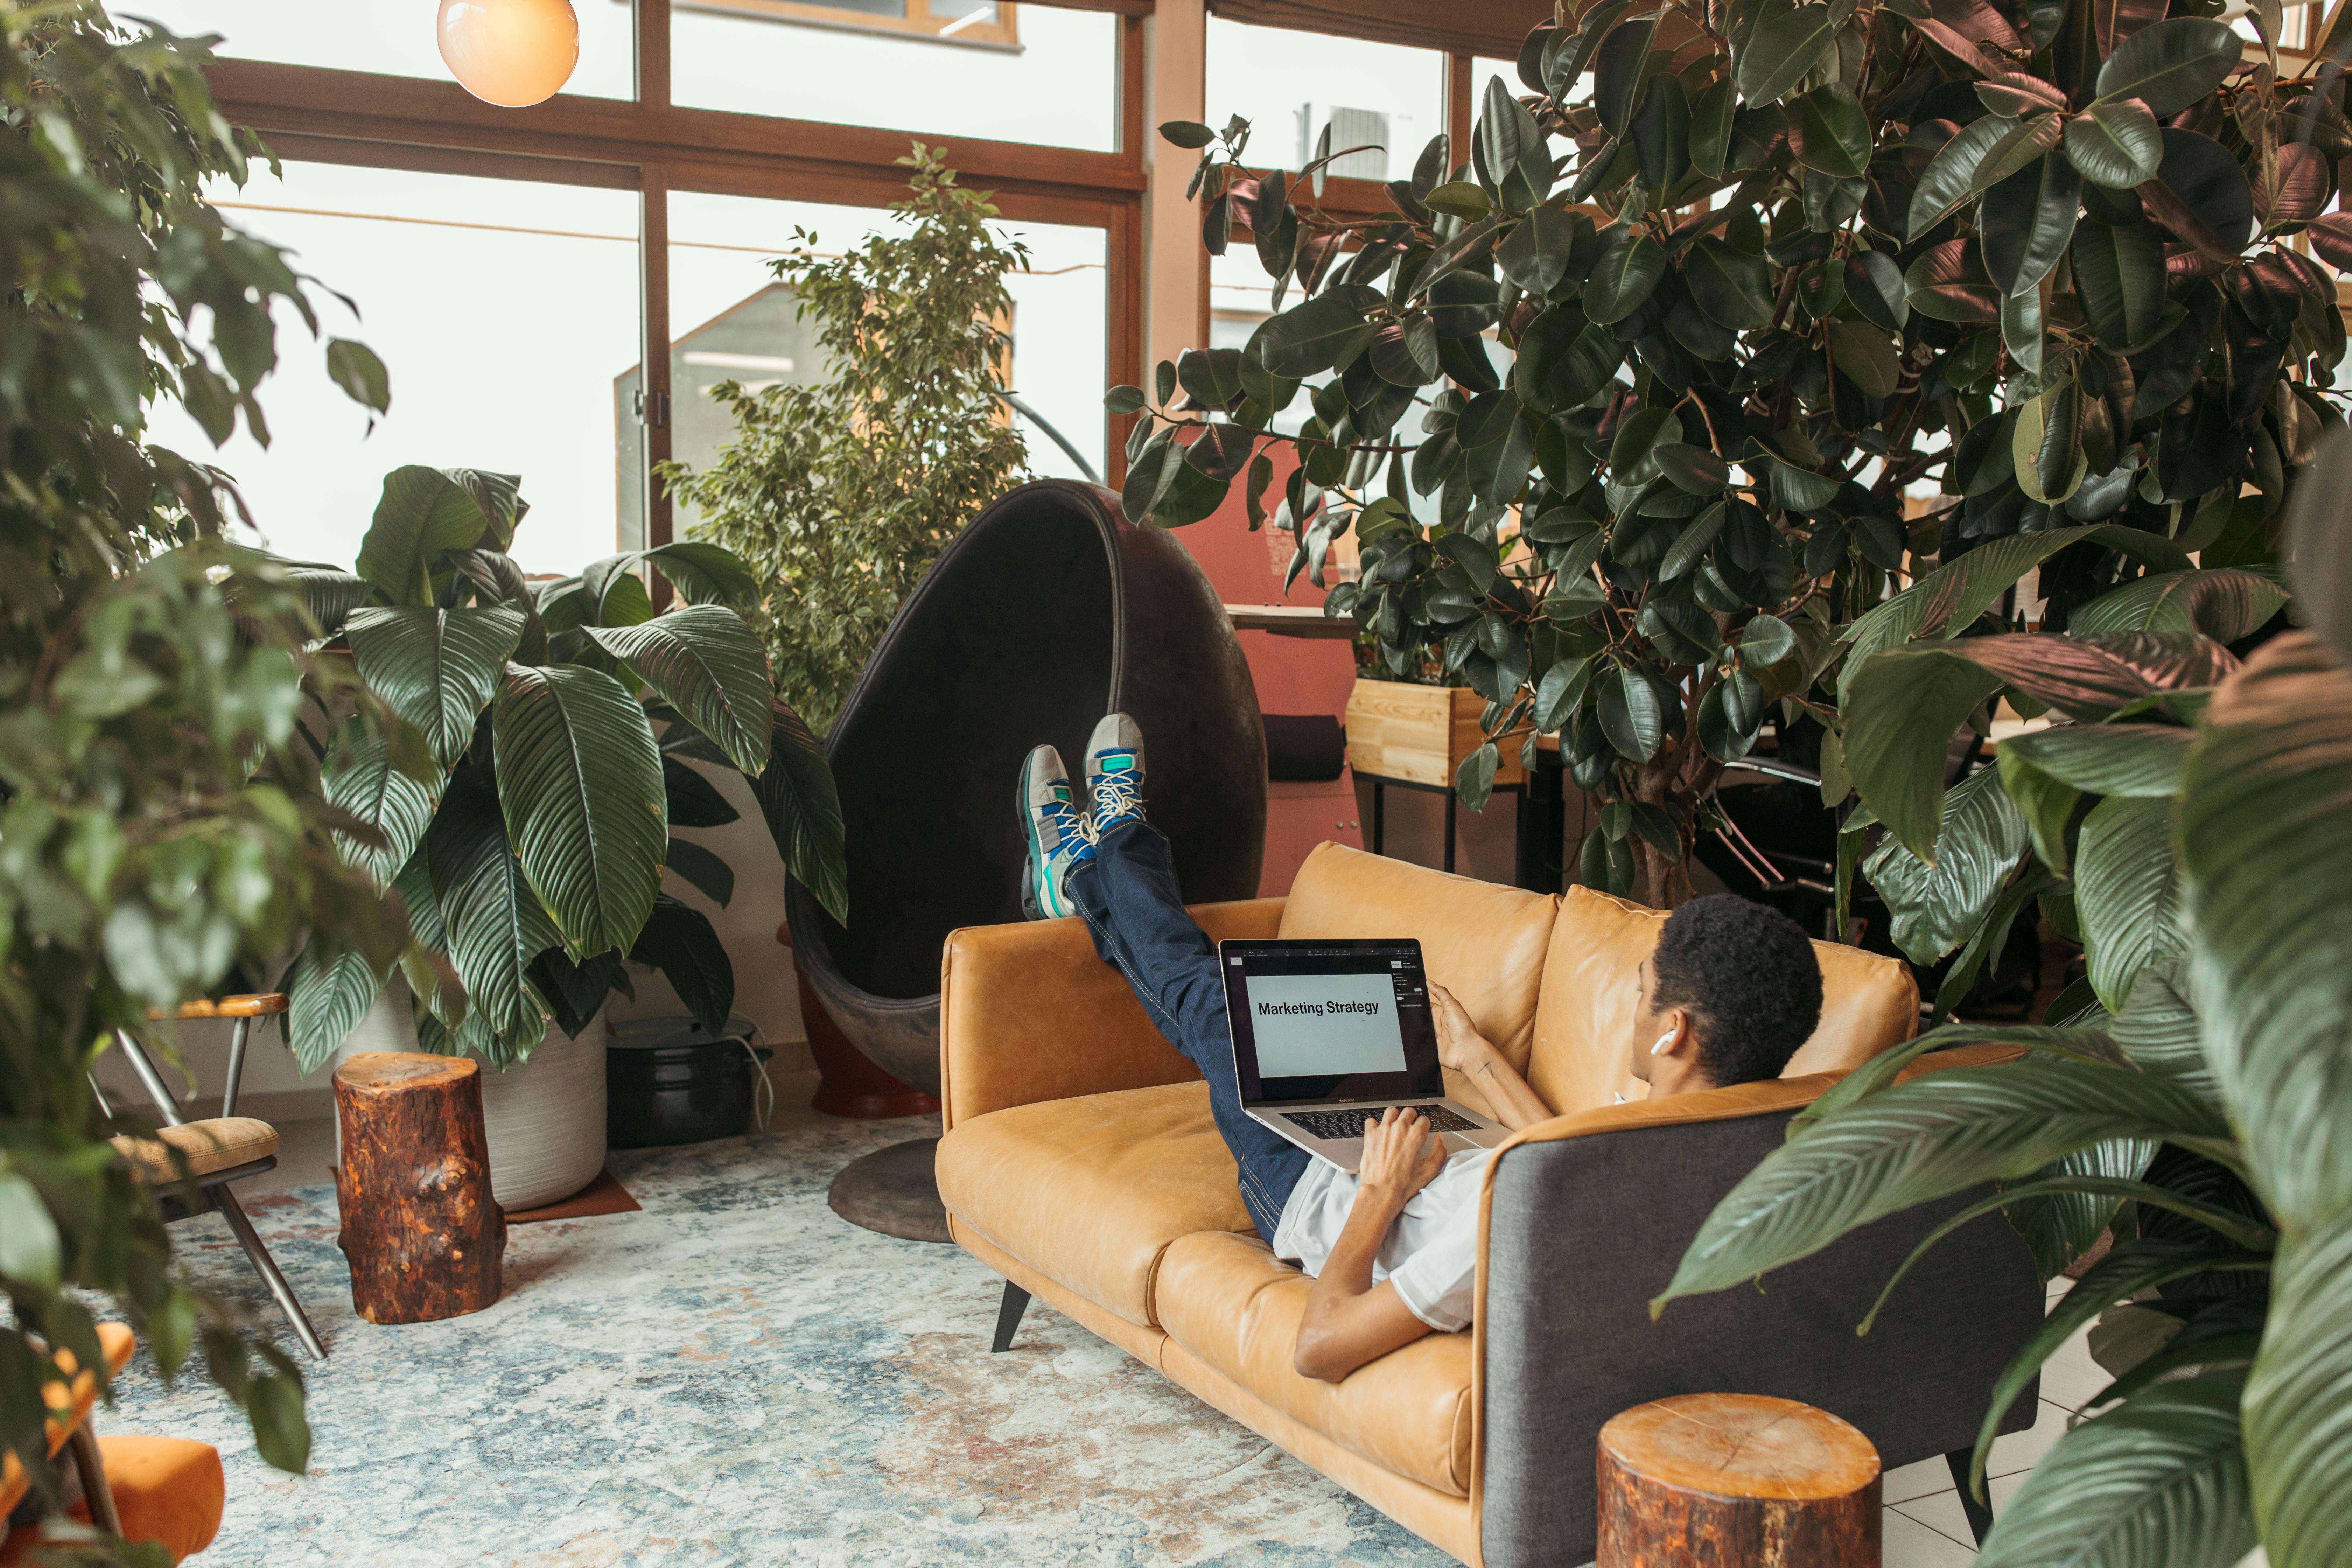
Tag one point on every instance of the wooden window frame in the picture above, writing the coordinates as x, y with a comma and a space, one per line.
1002, 33
649, 144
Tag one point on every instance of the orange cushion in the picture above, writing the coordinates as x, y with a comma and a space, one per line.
1591, 984
116, 1342
166, 1490
1090, 1191
1227, 1300
217, 1144
1484, 943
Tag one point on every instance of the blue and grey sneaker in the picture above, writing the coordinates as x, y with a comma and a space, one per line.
1115, 772
1056, 831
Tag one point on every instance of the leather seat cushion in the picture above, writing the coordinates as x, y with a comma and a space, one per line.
1591, 985
1226, 1300
1090, 1191
1483, 943
218, 1143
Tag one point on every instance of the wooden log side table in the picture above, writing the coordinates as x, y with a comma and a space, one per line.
423, 1234
1735, 1480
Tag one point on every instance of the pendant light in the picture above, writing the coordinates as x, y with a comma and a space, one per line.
512, 53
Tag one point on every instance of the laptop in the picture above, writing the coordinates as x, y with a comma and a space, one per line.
1328, 1034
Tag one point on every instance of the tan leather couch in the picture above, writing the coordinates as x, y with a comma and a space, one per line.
1080, 1163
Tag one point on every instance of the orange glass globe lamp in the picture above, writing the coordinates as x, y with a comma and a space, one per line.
513, 53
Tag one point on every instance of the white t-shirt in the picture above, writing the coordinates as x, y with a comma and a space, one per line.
1431, 1253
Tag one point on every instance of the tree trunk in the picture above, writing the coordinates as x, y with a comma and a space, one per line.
1709, 1478
421, 1231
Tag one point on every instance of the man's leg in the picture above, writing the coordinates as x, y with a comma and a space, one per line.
1129, 896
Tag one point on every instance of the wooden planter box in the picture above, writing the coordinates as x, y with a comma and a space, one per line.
1419, 734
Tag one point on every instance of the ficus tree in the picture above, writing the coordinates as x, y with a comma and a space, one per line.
160, 821
1735, 320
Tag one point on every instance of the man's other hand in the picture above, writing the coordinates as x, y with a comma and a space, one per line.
1460, 1046
1402, 1155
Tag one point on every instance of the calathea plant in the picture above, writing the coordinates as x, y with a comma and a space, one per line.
528, 844
1793, 302
2189, 816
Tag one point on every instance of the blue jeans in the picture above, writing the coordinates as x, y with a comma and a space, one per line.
1129, 896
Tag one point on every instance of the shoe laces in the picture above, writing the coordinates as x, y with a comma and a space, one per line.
1118, 795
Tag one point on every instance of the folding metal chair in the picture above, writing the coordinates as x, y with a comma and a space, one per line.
219, 1149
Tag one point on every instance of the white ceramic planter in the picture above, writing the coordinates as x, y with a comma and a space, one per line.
545, 1119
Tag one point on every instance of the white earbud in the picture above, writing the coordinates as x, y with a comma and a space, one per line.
1664, 1041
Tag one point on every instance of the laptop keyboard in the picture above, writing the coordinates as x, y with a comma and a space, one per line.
1351, 1123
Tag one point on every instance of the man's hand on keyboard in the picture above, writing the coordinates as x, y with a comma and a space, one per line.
1401, 1156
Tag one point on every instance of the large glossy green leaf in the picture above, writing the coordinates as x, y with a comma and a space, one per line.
360, 777
580, 780
2171, 64
1316, 336
1938, 906
2115, 144
678, 941
704, 870
2026, 221
2159, 1030
436, 667
2092, 677
2266, 838
2066, 1221
2127, 889
706, 574
2298, 1401
2159, 1482
707, 664
1831, 131
1950, 177
423, 511
2119, 274
1623, 277
2143, 760
1729, 284
1902, 709
493, 921
1784, 48
1629, 713
1939, 1133
327, 995
2225, 603
803, 808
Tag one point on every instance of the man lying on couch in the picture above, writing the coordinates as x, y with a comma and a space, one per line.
1729, 994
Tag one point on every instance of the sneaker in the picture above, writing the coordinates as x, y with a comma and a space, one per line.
1056, 831
1115, 772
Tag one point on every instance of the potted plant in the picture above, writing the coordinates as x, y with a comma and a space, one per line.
527, 828
1757, 274
840, 495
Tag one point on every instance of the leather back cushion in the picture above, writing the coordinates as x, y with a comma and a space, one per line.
1484, 943
1591, 985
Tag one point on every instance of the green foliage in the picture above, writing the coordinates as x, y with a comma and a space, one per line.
1762, 278
161, 824
840, 496
529, 834
2197, 816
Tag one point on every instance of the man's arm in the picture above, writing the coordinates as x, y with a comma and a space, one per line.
1461, 1047
1348, 1320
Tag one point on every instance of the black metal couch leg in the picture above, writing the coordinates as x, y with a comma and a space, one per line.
1008, 1316
1979, 1514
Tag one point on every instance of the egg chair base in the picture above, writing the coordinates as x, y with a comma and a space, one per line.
892, 1191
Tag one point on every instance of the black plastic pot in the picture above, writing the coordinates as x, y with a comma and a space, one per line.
669, 1081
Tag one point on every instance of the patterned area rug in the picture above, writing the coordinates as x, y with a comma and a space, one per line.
733, 1374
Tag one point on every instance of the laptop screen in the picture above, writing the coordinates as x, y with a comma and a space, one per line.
1329, 1020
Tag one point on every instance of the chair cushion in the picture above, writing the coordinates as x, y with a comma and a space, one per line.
1090, 1191
218, 1143
1483, 943
165, 1488
1227, 1300
1591, 985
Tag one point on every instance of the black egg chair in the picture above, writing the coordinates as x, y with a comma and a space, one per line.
1046, 611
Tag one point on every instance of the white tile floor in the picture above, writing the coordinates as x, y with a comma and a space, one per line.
1924, 1527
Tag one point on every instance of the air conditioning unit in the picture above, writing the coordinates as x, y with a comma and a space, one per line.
1389, 138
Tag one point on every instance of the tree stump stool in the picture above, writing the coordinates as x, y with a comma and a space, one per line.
422, 1234
1735, 1480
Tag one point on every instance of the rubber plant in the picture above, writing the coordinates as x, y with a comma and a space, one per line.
160, 822
558, 719
1733, 317
2191, 814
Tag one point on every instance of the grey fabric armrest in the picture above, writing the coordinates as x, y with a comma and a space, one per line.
1583, 1229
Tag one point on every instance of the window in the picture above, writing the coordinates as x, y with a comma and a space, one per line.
503, 311
1291, 86
965, 67
729, 319
377, 35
